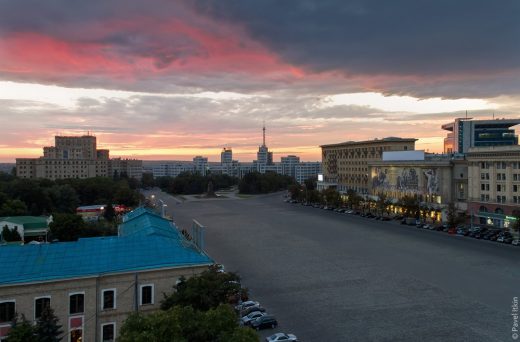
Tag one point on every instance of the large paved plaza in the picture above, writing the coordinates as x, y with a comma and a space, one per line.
336, 277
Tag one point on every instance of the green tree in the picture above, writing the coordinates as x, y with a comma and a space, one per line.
13, 207
10, 235
67, 227
353, 199
310, 183
22, 331
147, 181
295, 190
205, 291
183, 323
109, 214
332, 197
47, 327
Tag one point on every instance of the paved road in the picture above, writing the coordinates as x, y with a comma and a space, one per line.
336, 277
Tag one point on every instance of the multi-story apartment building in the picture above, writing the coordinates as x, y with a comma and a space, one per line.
494, 184
167, 168
306, 170
466, 133
289, 165
345, 165
93, 284
200, 165
75, 157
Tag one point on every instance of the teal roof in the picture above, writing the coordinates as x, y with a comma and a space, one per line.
146, 242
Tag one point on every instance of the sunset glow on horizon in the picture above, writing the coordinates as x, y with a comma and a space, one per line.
177, 80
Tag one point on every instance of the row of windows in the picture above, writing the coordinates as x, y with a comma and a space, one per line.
500, 198
500, 187
500, 165
500, 176
76, 303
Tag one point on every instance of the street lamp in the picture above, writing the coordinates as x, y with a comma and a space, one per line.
163, 205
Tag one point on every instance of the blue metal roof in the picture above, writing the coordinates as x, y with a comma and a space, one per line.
147, 241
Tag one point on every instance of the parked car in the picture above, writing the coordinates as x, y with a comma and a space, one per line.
249, 317
251, 309
515, 242
246, 305
452, 230
281, 337
266, 321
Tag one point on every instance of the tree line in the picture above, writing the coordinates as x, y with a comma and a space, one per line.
189, 183
60, 198
37, 197
262, 183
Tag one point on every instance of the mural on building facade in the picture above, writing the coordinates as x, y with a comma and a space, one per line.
406, 180
432, 181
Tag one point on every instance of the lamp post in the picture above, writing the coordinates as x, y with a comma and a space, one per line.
163, 205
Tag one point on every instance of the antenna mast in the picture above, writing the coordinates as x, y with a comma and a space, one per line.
263, 131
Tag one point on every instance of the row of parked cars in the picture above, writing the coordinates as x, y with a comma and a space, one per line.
253, 315
476, 232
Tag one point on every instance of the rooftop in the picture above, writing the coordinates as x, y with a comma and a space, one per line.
373, 141
146, 242
27, 222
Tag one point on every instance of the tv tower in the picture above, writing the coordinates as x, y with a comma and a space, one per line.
263, 132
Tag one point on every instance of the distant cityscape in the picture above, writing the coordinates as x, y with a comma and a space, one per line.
78, 157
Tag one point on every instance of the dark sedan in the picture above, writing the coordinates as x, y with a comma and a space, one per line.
266, 321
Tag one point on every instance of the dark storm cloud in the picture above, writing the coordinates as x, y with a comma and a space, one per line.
400, 37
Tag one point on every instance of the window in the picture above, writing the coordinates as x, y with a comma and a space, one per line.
108, 332
499, 187
108, 298
515, 199
41, 304
515, 188
147, 294
76, 301
484, 187
7, 311
484, 176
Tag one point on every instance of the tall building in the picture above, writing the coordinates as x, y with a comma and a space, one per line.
76, 157
263, 156
494, 184
306, 170
289, 165
466, 133
345, 165
200, 164
226, 156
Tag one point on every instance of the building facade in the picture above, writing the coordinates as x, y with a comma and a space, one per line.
93, 284
345, 165
494, 185
434, 180
465, 133
75, 157
306, 170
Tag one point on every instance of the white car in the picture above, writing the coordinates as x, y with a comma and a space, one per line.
515, 242
246, 305
279, 337
253, 315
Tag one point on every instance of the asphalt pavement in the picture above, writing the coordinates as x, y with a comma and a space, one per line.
337, 277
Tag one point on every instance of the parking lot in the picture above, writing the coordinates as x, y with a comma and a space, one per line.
336, 277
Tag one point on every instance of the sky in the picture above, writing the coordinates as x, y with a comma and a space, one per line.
163, 79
